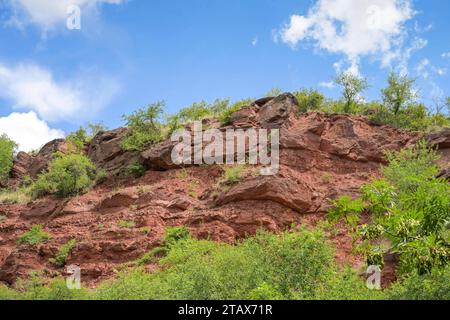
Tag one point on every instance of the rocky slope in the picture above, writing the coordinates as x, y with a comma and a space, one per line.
322, 156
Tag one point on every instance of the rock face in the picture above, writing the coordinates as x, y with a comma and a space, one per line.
441, 140
294, 195
322, 156
32, 165
107, 154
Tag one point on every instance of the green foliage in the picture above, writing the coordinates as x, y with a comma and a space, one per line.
126, 224
380, 195
399, 93
352, 87
231, 175
274, 92
309, 100
433, 286
347, 208
225, 115
291, 266
7, 150
36, 288
79, 139
34, 236
145, 127
413, 208
60, 258
173, 235
414, 117
137, 170
67, 175
19, 196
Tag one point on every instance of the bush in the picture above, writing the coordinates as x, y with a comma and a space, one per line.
412, 209
345, 207
264, 267
137, 170
20, 196
34, 236
309, 100
232, 174
433, 286
7, 150
174, 235
67, 175
60, 258
225, 114
145, 127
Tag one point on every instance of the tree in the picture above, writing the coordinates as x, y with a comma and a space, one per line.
352, 87
274, 92
145, 127
399, 92
7, 150
309, 100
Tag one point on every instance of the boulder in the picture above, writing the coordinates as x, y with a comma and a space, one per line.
107, 154
182, 203
295, 195
440, 138
159, 156
275, 112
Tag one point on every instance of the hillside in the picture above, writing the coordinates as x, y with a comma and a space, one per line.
322, 156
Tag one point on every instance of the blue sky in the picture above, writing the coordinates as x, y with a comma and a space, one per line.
128, 54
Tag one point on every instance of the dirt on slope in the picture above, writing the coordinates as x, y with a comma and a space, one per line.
322, 156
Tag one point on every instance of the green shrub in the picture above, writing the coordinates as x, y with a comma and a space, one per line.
67, 175
380, 195
145, 127
126, 224
34, 236
37, 288
347, 208
433, 286
60, 258
136, 170
7, 150
267, 266
19, 196
232, 174
309, 100
412, 210
225, 114
174, 235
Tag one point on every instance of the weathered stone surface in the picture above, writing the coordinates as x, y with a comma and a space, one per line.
274, 113
159, 156
107, 154
440, 138
294, 195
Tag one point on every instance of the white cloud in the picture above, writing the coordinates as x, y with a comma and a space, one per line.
446, 55
255, 41
425, 69
352, 28
48, 13
329, 85
31, 87
28, 130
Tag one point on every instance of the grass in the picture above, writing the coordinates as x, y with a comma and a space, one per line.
60, 258
20, 196
127, 224
35, 236
232, 175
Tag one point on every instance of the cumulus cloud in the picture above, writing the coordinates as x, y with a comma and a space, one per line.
28, 130
353, 28
48, 13
328, 85
34, 88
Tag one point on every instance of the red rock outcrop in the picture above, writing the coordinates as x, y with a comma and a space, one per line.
321, 156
